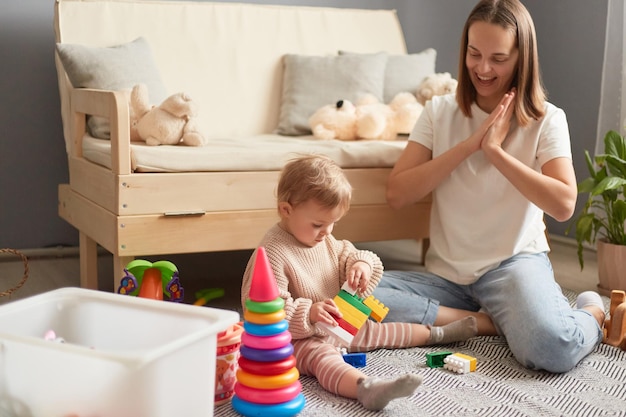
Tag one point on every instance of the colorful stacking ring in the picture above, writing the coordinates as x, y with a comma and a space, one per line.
267, 368
267, 355
268, 396
266, 342
287, 409
265, 307
266, 318
268, 381
266, 329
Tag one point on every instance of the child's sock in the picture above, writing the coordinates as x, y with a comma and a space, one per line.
454, 332
589, 298
374, 393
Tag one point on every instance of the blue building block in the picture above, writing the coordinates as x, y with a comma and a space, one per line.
355, 359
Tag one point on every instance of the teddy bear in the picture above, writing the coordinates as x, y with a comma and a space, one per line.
367, 119
334, 121
380, 121
434, 85
172, 122
407, 110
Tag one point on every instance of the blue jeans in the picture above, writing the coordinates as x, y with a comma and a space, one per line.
524, 301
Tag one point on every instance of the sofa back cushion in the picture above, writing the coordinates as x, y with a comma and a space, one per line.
227, 56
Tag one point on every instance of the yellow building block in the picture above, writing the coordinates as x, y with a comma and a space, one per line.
460, 363
379, 311
349, 313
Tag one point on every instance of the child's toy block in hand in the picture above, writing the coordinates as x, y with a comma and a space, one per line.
379, 311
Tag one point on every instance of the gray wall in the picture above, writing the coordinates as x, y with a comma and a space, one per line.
32, 151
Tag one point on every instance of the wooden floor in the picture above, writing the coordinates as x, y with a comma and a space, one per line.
224, 270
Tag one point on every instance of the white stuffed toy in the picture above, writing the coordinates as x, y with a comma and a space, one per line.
407, 110
379, 121
368, 119
334, 121
172, 122
435, 85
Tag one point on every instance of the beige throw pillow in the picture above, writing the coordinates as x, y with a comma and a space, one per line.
310, 82
115, 68
405, 72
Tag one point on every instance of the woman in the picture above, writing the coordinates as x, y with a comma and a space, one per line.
495, 157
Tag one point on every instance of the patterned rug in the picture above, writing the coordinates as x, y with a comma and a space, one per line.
498, 387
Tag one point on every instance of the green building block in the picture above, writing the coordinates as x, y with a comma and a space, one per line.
435, 359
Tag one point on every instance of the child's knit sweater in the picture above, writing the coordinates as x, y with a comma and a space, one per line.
306, 275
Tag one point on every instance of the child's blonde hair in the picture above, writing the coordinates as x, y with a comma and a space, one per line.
314, 177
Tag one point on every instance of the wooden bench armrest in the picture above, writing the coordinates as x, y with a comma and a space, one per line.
110, 104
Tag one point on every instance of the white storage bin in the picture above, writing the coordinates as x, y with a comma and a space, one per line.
123, 356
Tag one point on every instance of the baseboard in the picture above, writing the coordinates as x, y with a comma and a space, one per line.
569, 241
46, 253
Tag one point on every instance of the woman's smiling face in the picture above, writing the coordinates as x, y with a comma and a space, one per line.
491, 60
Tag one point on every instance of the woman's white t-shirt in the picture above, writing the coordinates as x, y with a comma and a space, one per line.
478, 217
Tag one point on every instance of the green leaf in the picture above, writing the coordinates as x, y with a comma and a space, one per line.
619, 213
584, 227
614, 144
604, 212
616, 166
590, 166
607, 184
586, 186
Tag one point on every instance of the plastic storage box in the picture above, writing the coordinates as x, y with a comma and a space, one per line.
122, 356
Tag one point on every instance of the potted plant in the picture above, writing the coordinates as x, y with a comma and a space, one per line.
602, 218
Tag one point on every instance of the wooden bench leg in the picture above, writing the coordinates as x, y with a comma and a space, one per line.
88, 251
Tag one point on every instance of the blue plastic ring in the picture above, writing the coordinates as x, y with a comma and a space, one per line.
266, 329
286, 409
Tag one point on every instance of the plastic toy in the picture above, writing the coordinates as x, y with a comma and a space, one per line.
228, 345
160, 278
267, 396
268, 381
50, 335
267, 355
284, 409
267, 368
151, 286
264, 318
208, 294
460, 363
266, 329
266, 342
615, 325
355, 312
267, 378
436, 359
358, 360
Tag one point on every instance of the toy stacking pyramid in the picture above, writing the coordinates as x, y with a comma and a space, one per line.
267, 378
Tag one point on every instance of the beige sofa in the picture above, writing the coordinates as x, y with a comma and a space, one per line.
254, 71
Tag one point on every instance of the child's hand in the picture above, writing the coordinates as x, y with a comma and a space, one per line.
358, 276
323, 312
